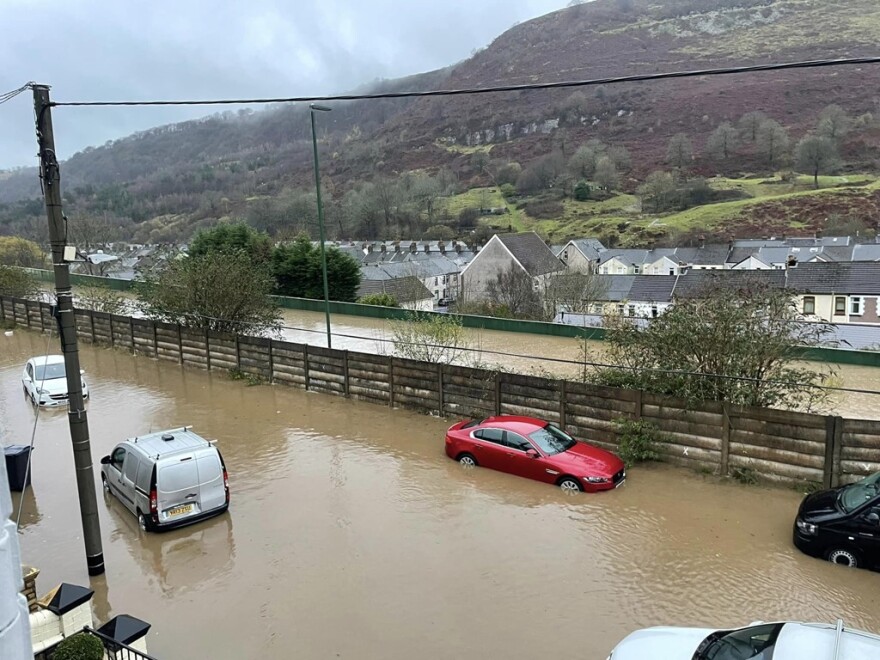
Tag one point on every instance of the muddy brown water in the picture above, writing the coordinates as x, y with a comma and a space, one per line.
352, 535
508, 351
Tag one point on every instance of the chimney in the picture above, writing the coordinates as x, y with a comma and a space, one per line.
818, 233
702, 240
427, 247
383, 248
457, 247
442, 247
397, 247
792, 261
413, 248
369, 248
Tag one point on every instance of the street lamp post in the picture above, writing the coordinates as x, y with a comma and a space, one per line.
312, 109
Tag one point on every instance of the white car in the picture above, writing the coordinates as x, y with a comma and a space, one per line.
45, 383
787, 640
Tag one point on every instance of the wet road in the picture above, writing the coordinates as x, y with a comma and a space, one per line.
351, 535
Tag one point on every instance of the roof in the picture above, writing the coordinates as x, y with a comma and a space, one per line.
816, 641
402, 289
617, 287
531, 252
183, 439
652, 288
628, 256
589, 247
859, 278
706, 255
48, 359
694, 283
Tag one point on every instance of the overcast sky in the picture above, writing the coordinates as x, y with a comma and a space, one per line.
164, 49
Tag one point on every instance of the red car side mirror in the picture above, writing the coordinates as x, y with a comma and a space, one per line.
531, 453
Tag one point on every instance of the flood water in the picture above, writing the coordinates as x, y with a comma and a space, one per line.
552, 356
351, 535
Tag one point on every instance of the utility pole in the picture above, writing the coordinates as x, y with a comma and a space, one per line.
313, 107
50, 175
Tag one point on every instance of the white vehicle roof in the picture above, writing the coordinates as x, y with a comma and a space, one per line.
796, 641
170, 442
816, 641
47, 359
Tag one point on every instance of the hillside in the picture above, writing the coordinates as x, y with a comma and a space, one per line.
160, 184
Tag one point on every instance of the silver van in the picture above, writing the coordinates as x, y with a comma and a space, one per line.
168, 478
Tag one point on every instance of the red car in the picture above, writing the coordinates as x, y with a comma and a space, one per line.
531, 448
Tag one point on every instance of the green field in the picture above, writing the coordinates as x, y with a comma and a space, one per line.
621, 215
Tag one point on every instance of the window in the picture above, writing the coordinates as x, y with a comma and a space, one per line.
131, 467
50, 371
809, 305
631, 310
655, 312
856, 305
117, 457
620, 309
436, 281
839, 306
490, 435
749, 643
552, 440
621, 270
636, 270
516, 441
672, 271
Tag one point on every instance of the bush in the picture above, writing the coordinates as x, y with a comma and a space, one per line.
545, 208
582, 191
508, 190
79, 647
379, 299
17, 283
637, 441
745, 475
468, 217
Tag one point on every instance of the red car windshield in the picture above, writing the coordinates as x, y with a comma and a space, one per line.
552, 440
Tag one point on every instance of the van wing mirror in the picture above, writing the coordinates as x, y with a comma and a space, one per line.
105, 460
873, 518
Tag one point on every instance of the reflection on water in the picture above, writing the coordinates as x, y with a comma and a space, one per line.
350, 534
25, 509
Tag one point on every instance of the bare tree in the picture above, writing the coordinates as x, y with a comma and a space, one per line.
773, 142
817, 155
435, 339
606, 174
680, 152
573, 291
723, 142
834, 122
658, 191
514, 290
750, 124
583, 163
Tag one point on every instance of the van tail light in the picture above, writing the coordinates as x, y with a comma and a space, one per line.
226, 484
154, 503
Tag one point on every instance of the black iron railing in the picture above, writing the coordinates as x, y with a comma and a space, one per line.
117, 650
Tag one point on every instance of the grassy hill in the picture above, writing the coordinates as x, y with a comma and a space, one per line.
237, 165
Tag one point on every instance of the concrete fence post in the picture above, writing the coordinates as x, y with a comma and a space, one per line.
497, 392
112, 337
306, 364
637, 415
207, 349
724, 467
441, 404
237, 353
271, 359
92, 324
155, 341
179, 344
345, 379
830, 436
563, 400
131, 330
390, 381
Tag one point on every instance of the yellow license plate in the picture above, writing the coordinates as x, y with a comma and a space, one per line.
179, 510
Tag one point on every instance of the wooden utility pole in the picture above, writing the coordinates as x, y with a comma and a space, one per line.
50, 175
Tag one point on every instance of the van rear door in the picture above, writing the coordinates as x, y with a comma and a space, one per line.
177, 489
212, 490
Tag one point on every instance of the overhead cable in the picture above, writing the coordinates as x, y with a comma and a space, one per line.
614, 80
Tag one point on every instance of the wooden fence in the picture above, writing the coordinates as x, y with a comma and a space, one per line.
781, 446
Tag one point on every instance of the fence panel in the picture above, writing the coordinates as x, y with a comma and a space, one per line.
782, 446
859, 449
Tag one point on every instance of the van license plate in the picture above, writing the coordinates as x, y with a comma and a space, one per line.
179, 510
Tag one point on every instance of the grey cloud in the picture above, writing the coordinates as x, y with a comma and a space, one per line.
106, 50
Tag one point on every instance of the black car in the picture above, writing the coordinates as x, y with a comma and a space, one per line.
842, 525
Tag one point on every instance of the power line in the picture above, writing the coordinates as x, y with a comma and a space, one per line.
779, 66
8, 96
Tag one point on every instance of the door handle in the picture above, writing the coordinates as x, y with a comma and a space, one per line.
191, 495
